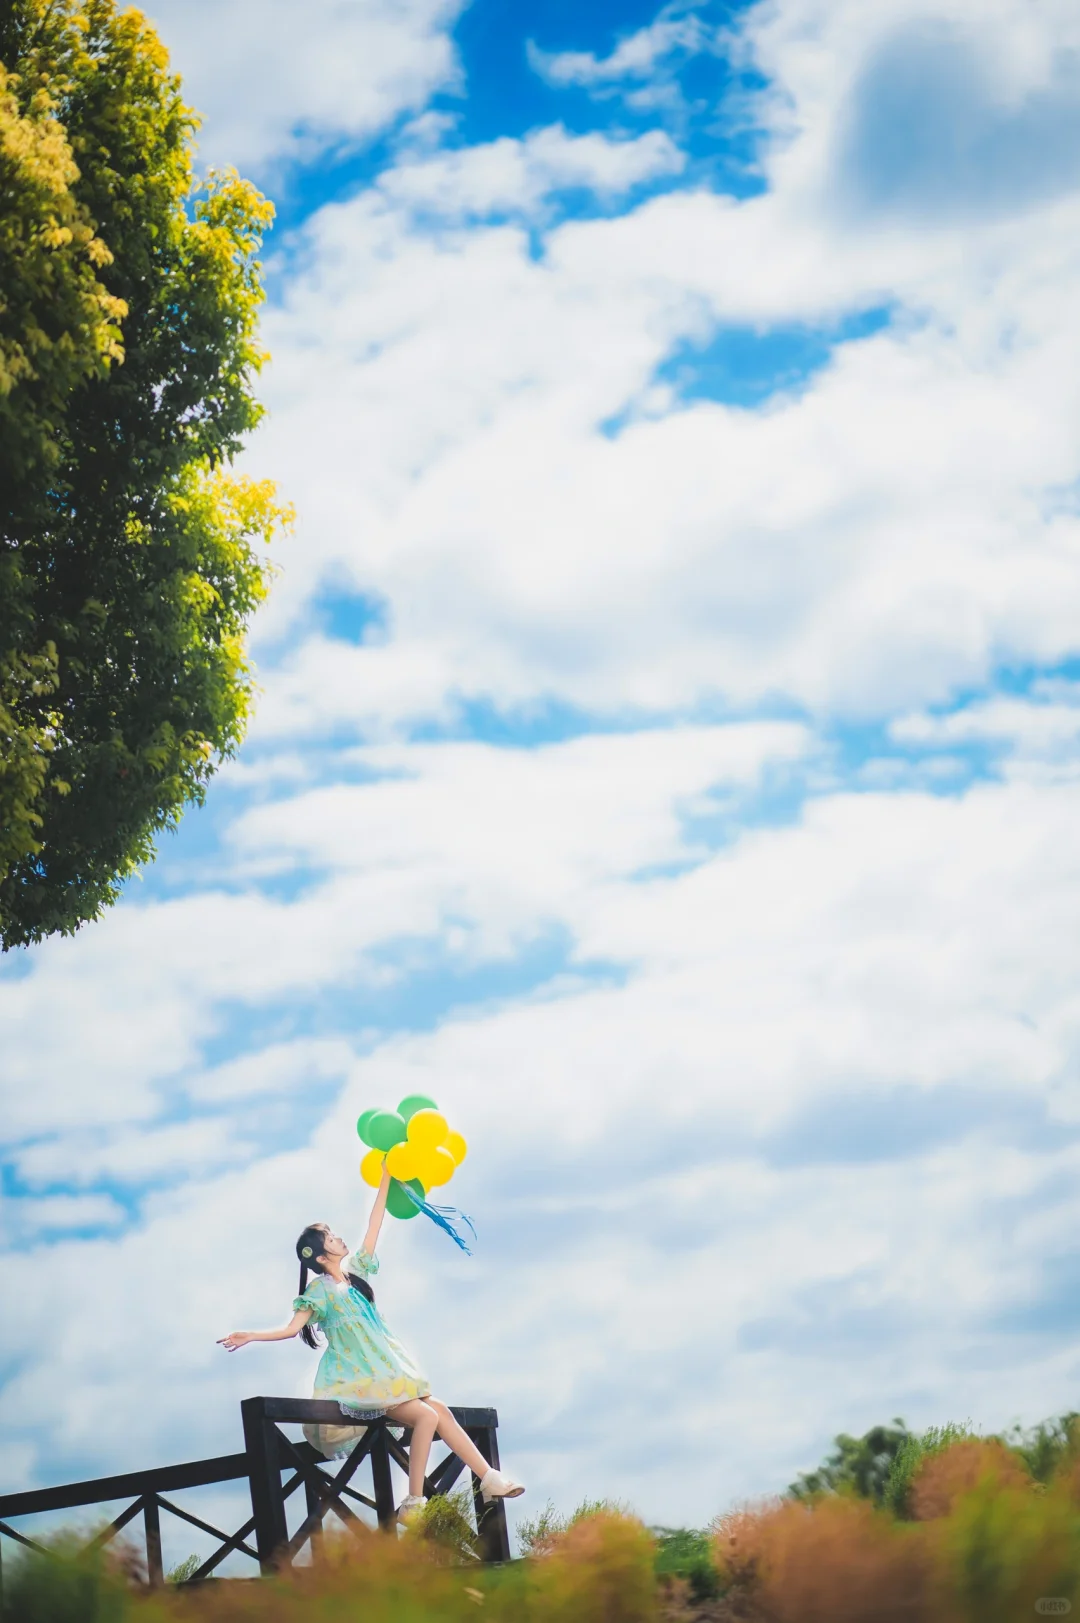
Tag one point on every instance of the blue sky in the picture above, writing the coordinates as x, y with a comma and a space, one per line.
666, 758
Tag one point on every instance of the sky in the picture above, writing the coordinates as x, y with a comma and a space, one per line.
667, 758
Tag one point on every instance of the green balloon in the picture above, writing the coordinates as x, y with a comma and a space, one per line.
384, 1130
362, 1126
398, 1203
415, 1101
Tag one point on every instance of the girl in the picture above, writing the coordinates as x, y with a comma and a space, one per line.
364, 1369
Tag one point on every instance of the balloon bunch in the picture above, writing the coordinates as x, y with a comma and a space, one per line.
415, 1145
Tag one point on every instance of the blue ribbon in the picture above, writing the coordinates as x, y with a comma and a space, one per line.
444, 1216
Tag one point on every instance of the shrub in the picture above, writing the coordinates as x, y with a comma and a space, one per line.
600, 1570
686, 1553
446, 1523
536, 1534
944, 1475
1002, 1548
65, 1585
736, 1539
540, 1534
837, 1559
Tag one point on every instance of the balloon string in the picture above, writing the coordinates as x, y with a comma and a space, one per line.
444, 1216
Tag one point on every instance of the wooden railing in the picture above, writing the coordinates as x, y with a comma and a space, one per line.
269, 1455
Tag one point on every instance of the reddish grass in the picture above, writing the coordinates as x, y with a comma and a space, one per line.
835, 1560
989, 1544
944, 1478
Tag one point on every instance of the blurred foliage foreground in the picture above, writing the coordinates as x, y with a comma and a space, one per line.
960, 1528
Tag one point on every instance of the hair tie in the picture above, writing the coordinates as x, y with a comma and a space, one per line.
306, 1252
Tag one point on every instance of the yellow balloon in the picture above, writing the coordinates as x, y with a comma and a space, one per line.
457, 1146
371, 1168
422, 1161
428, 1128
403, 1162
434, 1166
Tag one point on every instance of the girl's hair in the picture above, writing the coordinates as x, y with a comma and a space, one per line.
309, 1247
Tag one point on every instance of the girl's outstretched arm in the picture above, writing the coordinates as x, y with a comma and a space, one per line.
378, 1212
240, 1338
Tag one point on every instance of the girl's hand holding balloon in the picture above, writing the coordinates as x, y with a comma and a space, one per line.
415, 1145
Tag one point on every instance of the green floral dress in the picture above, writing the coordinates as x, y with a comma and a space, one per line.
364, 1369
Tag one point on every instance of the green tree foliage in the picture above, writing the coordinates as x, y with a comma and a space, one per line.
915, 1448
859, 1465
1045, 1448
128, 558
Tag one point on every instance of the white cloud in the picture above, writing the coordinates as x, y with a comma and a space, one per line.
1044, 727
451, 822
953, 78
272, 86
442, 406
429, 852
31, 1221
886, 940
634, 57
517, 175
281, 1068
144, 1155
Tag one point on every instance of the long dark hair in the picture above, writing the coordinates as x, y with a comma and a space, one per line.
309, 1247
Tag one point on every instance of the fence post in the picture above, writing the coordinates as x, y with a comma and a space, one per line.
264, 1475
314, 1503
492, 1531
155, 1573
382, 1480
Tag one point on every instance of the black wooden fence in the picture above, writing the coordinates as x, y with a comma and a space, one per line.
275, 1468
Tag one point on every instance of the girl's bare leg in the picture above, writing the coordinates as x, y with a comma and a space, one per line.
456, 1438
423, 1419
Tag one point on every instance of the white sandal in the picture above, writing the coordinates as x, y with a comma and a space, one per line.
493, 1485
409, 1506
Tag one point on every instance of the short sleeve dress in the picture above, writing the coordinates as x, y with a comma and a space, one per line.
364, 1369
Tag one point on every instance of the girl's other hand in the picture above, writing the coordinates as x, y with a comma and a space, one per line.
238, 1338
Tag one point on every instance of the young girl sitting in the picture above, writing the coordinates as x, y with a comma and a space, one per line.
364, 1368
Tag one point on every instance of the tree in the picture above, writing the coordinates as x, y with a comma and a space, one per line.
859, 1465
129, 564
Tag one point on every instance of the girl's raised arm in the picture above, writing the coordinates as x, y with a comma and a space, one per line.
240, 1338
378, 1212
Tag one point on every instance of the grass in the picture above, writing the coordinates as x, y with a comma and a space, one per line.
538, 1536
599, 1571
183, 1570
